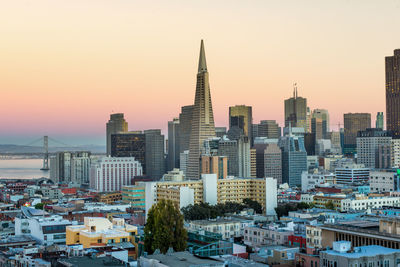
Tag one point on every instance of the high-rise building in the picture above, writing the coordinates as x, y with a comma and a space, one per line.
229, 148
310, 143
220, 131
317, 128
379, 120
155, 160
185, 127
116, 124
130, 144
294, 159
111, 174
215, 164
353, 123
296, 111
241, 116
322, 114
373, 148
253, 163
392, 64
173, 144
243, 144
273, 162
269, 129
202, 119
183, 162
70, 167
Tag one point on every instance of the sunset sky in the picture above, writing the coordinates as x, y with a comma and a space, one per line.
65, 65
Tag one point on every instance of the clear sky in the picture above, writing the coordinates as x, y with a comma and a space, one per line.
65, 65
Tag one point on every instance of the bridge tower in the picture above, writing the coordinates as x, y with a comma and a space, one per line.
46, 153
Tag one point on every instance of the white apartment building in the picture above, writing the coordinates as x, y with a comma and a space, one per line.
313, 236
263, 236
364, 203
46, 229
383, 181
227, 227
111, 173
313, 178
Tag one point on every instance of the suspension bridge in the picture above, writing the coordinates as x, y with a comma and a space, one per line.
45, 141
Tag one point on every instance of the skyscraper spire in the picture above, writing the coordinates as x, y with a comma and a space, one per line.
202, 118
202, 59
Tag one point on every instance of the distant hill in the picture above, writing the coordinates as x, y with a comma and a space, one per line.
18, 149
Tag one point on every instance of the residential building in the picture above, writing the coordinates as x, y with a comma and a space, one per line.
98, 231
227, 227
258, 237
392, 68
134, 195
181, 196
203, 118
111, 173
70, 167
363, 203
116, 124
353, 123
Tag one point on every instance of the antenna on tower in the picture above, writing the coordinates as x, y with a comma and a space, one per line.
295, 90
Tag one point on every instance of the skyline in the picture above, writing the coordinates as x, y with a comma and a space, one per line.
107, 64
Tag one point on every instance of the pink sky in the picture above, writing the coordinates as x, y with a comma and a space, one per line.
67, 64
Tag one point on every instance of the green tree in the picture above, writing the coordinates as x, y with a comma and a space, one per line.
39, 206
253, 205
329, 205
303, 206
164, 228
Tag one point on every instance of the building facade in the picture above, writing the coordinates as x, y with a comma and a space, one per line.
116, 124
392, 66
353, 123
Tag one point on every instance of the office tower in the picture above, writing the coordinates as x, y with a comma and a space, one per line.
273, 162
220, 131
308, 120
322, 114
368, 145
296, 111
392, 66
353, 123
203, 118
243, 145
131, 144
184, 158
229, 148
241, 116
294, 159
155, 161
185, 127
173, 144
269, 129
253, 163
317, 128
260, 169
116, 124
254, 130
215, 164
112, 173
70, 167
379, 120
310, 143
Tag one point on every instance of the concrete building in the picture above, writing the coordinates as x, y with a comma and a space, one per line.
130, 144
154, 155
243, 144
203, 118
241, 116
174, 175
184, 158
317, 128
395, 153
352, 173
344, 255
296, 111
134, 195
111, 173
271, 200
98, 231
382, 181
181, 196
116, 124
258, 237
369, 143
353, 123
229, 148
315, 177
364, 203
185, 127
227, 227
273, 162
392, 68
323, 115
253, 162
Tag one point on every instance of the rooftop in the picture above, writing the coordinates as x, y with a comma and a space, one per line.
181, 259
364, 251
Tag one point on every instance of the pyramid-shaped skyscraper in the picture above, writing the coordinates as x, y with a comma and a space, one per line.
202, 118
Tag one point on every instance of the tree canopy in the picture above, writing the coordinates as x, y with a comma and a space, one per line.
283, 210
164, 228
204, 211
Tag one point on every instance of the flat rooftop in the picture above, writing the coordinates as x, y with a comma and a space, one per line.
181, 259
364, 251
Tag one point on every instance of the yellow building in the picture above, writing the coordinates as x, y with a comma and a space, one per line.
322, 201
98, 231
